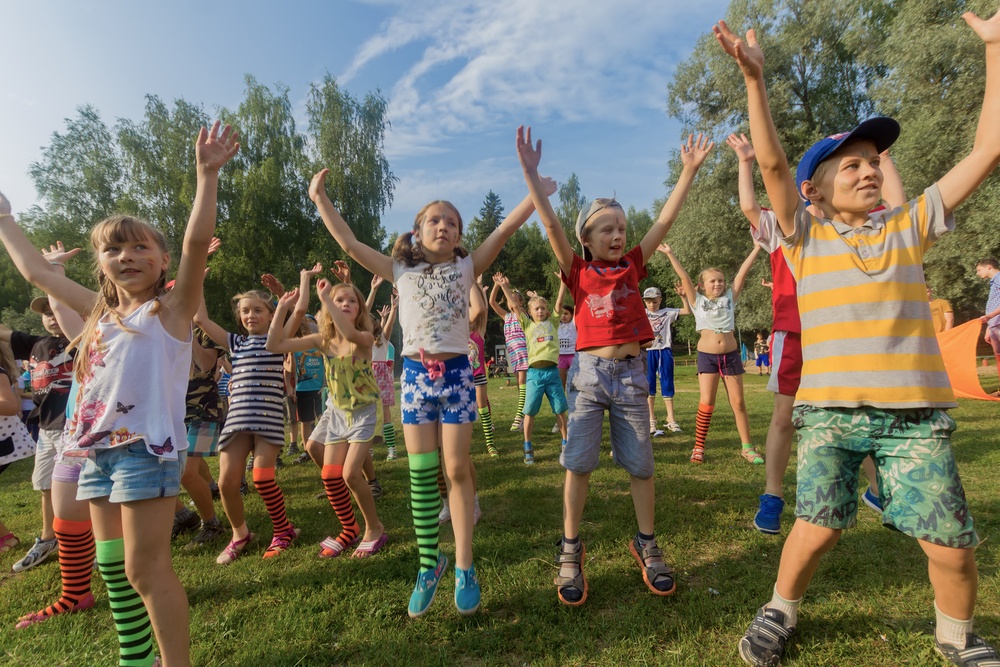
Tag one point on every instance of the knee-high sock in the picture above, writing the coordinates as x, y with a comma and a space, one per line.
487, 419
131, 620
76, 563
522, 392
267, 488
389, 433
442, 484
340, 497
701, 422
425, 500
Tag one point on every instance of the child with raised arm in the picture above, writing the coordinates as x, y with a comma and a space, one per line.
254, 423
478, 313
382, 362
660, 356
878, 384
718, 349
517, 347
433, 274
355, 417
542, 333
786, 339
608, 373
128, 417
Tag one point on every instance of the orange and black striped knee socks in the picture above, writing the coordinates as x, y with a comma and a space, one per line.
340, 498
701, 423
76, 564
267, 488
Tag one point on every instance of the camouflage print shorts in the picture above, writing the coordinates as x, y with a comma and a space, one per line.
918, 483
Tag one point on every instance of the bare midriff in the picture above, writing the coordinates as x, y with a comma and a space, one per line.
712, 342
630, 349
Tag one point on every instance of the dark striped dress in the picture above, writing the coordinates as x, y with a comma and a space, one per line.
256, 390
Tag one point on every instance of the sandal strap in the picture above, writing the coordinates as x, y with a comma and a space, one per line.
577, 581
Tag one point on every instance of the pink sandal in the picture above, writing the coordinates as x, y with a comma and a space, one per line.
331, 547
371, 547
234, 549
281, 541
8, 542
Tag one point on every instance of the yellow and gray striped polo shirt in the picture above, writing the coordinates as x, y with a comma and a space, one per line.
867, 336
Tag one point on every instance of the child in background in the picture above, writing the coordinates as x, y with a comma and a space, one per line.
541, 332
567, 342
355, 418
382, 363
434, 274
15, 443
718, 349
761, 351
608, 374
517, 347
478, 313
660, 356
129, 409
862, 275
254, 423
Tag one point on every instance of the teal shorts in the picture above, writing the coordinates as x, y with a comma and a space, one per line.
544, 382
918, 482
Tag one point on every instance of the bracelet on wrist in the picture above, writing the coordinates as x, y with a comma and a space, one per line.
57, 264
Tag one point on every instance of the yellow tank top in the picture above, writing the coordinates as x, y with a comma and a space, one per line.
351, 382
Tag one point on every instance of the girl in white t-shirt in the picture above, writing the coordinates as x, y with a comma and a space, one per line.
128, 417
433, 274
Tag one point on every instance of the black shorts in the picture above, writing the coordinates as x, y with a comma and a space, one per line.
308, 406
721, 364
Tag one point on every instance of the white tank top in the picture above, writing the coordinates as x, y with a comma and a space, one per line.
136, 389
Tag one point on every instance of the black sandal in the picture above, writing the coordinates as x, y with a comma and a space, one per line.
576, 583
656, 572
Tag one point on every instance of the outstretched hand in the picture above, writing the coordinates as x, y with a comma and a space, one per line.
313, 272
383, 312
500, 279
376, 281
214, 244
272, 284
549, 186
317, 187
323, 288
528, 155
664, 248
214, 148
742, 146
288, 299
988, 31
394, 299
57, 254
746, 53
342, 271
693, 153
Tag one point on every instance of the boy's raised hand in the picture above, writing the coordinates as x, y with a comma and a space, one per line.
57, 254
693, 153
317, 187
742, 147
988, 31
747, 53
663, 248
213, 148
528, 155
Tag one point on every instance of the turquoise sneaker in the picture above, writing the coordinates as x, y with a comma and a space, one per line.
467, 593
427, 583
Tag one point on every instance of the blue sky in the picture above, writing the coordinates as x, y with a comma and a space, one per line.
590, 77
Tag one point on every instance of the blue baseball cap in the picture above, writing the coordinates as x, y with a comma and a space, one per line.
880, 130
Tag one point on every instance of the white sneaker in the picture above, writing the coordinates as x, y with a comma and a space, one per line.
673, 427
445, 515
38, 552
391, 456
555, 427
652, 426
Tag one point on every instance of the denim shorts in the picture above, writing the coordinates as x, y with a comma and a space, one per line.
449, 398
544, 382
617, 386
129, 473
918, 482
994, 339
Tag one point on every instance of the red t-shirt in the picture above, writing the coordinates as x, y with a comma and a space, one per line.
784, 296
609, 308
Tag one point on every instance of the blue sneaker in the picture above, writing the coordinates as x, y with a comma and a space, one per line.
768, 517
529, 454
872, 500
467, 593
427, 583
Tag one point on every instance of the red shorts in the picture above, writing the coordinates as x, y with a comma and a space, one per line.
786, 363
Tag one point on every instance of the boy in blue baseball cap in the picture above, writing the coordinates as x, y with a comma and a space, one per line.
872, 377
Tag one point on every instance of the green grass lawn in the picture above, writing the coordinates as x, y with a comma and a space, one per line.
870, 603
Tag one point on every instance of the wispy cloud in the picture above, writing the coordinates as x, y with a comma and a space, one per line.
483, 62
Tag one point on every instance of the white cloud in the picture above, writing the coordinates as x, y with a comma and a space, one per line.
482, 62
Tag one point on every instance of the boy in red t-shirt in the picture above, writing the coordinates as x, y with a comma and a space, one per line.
608, 373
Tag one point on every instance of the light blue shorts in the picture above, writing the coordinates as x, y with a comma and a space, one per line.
544, 382
129, 473
618, 387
